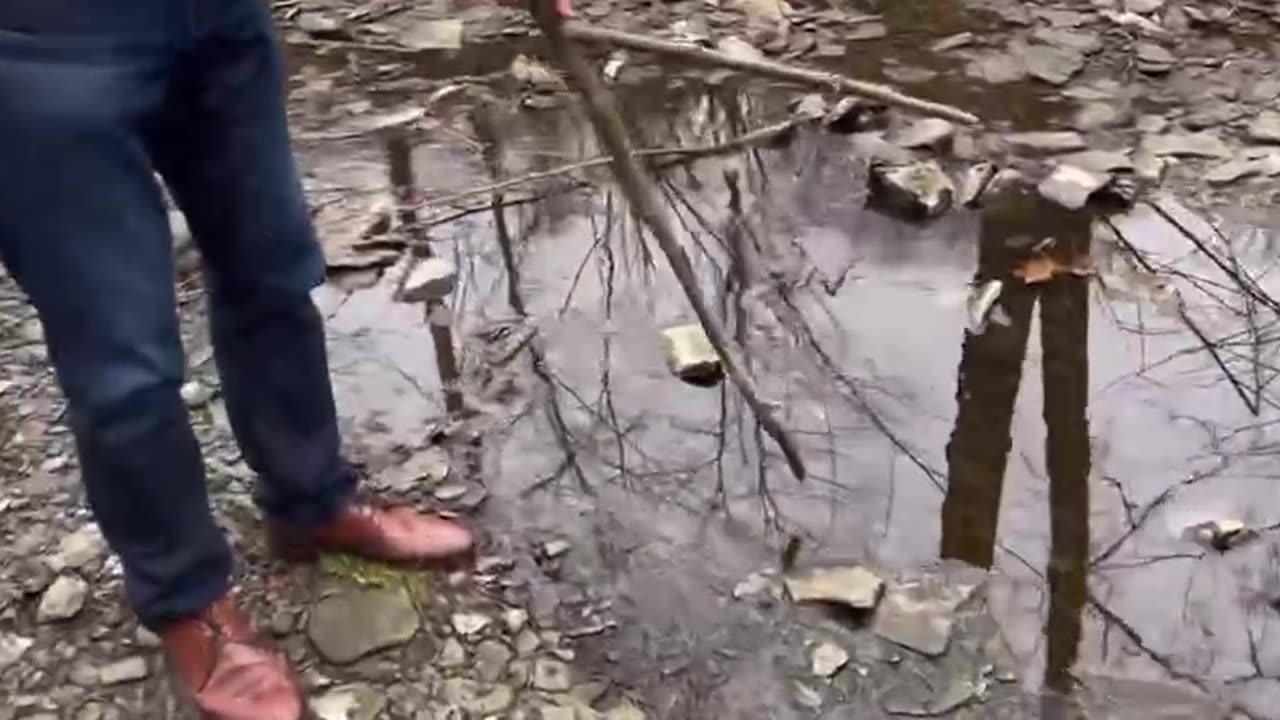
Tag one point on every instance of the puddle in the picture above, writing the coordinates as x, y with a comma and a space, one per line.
1067, 446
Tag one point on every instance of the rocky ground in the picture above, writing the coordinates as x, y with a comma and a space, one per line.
1082, 100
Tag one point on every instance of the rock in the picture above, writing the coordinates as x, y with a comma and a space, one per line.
515, 619
1214, 114
876, 149
1143, 7
551, 676
920, 614
322, 27
63, 600
553, 549
450, 492
810, 107
1098, 161
1070, 186
469, 623
1234, 170
828, 659
1220, 535
1153, 59
624, 711
928, 703
997, 68
558, 712
460, 691
691, 356
492, 703
1202, 144
1098, 115
919, 191
852, 586
196, 394
349, 625
1077, 41
1047, 142
752, 585
973, 183
433, 35
491, 660
953, 42
926, 133
452, 654
1054, 65
807, 696
1265, 128
427, 279
1147, 166
527, 642
130, 669
528, 71
349, 702
80, 549
772, 10
12, 648
739, 49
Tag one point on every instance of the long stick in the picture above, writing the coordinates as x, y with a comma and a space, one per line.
581, 32
644, 202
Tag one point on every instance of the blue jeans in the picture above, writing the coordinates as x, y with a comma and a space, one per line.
94, 96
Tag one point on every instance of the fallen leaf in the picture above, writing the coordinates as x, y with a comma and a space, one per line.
1043, 268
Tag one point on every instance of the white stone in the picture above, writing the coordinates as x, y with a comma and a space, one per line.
828, 659
428, 279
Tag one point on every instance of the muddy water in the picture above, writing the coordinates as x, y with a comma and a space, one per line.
1067, 446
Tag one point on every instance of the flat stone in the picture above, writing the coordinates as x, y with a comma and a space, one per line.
1143, 7
920, 614
828, 659
63, 600
1070, 186
428, 279
1154, 59
1098, 161
551, 675
491, 703
321, 26
691, 356
450, 492
130, 669
1052, 64
553, 549
1046, 142
955, 695
467, 623
80, 549
874, 148
918, 191
1076, 40
12, 648
1098, 115
1265, 128
973, 183
1214, 114
527, 642
452, 654
491, 660
349, 625
997, 68
1202, 144
460, 691
852, 586
953, 42
433, 35
625, 711
515, 619
349, 702
1234, 170
926, 133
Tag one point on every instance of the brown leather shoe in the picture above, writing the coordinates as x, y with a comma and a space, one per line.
225, 669
396, 534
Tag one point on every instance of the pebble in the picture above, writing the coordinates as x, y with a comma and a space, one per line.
130, 669
428, 279
1265, 128
349, 625
925, 133
690, 357
1153, 59
450, 492
918, 191
12, 648
79, 549
527, 642
853, 586
551, 675
828, 659
1052, 64
63, 600
1202, 144
1046, 142
491, 658
469, 623
452, 654
515, 619
1070, 186
349, 702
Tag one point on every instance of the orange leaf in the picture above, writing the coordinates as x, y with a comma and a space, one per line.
1041, 268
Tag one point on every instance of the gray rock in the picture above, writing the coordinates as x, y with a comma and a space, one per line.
1147, 166
1098, 161
920, 614
467, 623
1075, 40
973, 183
452, 655
1234, 170
1154, 59
12, 648
551, 675
828, 658
515, 619
433, 35
347, 626
926, 703
63, 600
852, 586
1151, 124
460, 691
491, 660
810, 107
1047, 142
953, 42
1214, 114
349, 702
321, 26
691, 356
1265, 128
875, 149
553, 549
1202, 144
130, 669
997, 68
1070, 186
491, 703
1098, 115
80, 549
1143, 7
450, 492
926, 133
1052, 64
427, 279
624, 711
918, 191
527, 642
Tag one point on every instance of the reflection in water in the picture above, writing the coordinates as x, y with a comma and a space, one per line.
989, 375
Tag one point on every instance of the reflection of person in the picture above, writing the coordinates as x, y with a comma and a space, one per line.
989, 376
94, 96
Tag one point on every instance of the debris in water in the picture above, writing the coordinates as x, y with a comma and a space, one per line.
691, 356
981, 300
1221, 535
852, 586
427, 279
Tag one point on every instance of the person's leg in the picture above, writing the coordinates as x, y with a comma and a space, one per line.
84, 232
245, 205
